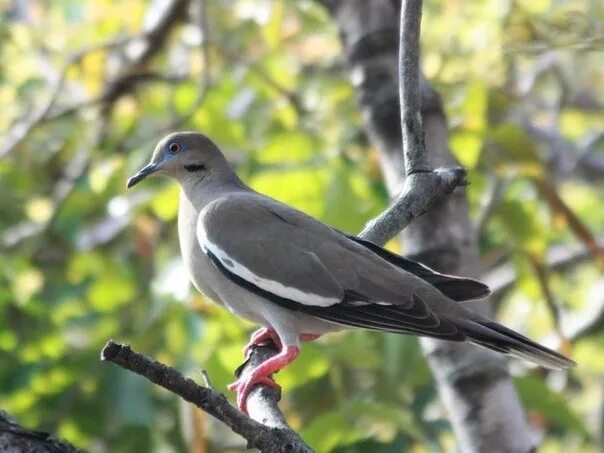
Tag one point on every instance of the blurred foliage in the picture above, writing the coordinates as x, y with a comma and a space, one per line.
83, 261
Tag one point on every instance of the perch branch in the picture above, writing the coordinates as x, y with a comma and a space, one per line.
264, 438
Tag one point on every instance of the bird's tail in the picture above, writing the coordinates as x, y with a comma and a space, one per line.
489, 334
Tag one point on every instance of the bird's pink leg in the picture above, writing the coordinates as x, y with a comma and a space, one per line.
260, 336
262, 374
266, 333
309, 336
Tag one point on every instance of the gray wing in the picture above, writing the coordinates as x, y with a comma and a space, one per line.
304, 265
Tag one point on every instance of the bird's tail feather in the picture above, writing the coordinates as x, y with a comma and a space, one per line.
489, 334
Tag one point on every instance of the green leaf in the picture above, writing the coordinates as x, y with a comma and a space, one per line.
466, 146
312, 363
536, 395
522, 222
111, 291
305, 187
512, 143
165, 204
329, 430
288, 147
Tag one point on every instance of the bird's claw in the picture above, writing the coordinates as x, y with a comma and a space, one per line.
243, 387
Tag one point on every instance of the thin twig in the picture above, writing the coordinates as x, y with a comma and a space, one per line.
492, 201
255, 68
550, 194
553, 307
206, 379
22, 129
559, 258
420, 193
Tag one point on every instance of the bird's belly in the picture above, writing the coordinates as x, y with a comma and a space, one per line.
210, 281
245, 304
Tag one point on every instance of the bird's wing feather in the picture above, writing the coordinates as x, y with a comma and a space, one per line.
263, 250
457, 288
304, 265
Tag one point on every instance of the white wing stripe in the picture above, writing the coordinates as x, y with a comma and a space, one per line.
271, 286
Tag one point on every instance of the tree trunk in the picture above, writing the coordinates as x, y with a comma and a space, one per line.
474, 383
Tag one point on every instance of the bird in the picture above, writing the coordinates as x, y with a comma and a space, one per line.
299, 278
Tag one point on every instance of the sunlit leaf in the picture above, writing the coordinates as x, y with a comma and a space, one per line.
537, 396
291, 147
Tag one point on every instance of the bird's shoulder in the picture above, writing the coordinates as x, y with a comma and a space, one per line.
252, 210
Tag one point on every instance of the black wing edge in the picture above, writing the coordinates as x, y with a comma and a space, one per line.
457, 288
389, 318
501, 339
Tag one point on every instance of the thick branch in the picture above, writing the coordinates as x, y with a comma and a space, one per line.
258, 436
473, 383
15, 438
421, 191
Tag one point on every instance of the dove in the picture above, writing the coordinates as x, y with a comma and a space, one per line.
298, 278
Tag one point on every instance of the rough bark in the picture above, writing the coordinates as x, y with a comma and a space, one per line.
474, 383
16, 439
265, 438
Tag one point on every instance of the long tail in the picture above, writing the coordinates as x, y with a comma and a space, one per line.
489, 334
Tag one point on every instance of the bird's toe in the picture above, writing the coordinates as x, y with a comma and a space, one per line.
243, 387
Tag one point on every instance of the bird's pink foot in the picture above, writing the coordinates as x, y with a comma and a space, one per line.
259, 337
243, 387
262, 374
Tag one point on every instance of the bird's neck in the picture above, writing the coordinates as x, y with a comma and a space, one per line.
200, 189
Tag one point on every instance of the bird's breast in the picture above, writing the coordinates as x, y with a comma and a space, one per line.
198, 265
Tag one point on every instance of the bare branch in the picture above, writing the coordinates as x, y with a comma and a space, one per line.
264, 438
421, 191
21, 129
414, 147
233, 56
542, 273
423, 185
150, 42
15, 438
559, 258
474, 384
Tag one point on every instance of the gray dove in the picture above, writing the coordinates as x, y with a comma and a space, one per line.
299, 278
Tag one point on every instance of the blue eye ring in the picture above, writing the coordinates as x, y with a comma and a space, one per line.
173, 147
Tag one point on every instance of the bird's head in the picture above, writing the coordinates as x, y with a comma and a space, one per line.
178, 154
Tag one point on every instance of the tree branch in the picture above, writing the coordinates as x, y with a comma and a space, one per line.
423, 186
414, 147
473, 383
262, 437
148, 43
15, 438
492, 201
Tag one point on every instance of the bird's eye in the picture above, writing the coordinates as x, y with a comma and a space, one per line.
173, 148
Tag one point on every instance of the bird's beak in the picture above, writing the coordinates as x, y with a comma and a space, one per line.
142, 174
